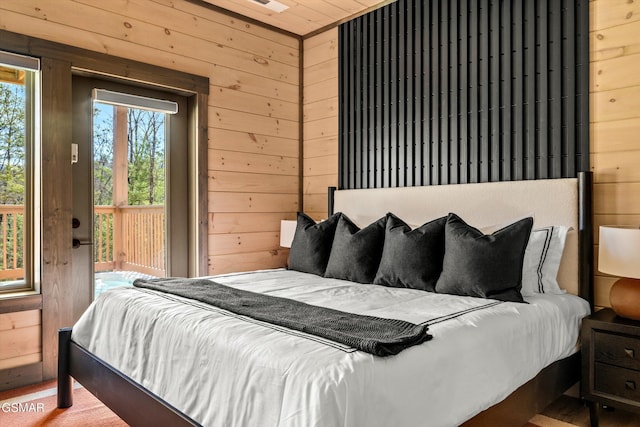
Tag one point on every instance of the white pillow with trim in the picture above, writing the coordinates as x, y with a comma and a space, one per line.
542, 260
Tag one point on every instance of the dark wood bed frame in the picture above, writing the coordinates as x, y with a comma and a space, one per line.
138, 406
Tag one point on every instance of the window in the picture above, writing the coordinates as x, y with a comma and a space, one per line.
19, 173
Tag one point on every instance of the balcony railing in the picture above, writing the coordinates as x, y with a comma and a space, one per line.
11, 238
127, 238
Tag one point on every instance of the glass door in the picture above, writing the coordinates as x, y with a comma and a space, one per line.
129, 176
129, 186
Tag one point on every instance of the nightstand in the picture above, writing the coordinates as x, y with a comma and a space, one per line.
610, 362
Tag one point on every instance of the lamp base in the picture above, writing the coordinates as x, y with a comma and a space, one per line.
625, 298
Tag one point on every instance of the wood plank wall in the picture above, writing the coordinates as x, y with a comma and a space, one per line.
20, 334
253, 118
615, 119
320, 105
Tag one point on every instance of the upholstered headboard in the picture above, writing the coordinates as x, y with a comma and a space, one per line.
551, 202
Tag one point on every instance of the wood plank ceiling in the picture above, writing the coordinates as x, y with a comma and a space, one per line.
303, 17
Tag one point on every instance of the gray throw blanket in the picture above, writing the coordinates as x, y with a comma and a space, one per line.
375, 335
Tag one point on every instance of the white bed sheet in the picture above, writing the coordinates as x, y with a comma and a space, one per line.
227, 370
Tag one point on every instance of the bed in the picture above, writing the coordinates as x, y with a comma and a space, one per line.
238, 371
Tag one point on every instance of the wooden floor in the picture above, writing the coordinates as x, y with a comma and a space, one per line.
40, 409
572, 410
569, 410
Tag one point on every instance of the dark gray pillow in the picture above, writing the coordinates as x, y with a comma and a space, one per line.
411, 258
480, 265
355, 254
311, 244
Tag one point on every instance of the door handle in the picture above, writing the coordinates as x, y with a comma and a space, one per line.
76, 243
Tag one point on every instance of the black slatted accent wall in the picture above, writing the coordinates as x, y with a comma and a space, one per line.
459, 91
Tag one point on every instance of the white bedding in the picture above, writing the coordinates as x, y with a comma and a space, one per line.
226, 370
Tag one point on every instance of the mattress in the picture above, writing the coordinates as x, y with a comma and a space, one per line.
224, 369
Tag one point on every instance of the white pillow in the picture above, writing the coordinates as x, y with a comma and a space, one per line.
490, 229
542, 261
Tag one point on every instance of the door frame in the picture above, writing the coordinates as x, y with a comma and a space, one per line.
59, 63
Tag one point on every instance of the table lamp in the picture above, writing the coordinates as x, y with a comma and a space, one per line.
287, 231
619, 255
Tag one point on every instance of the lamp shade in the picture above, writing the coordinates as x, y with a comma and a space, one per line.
287, 231
619, 251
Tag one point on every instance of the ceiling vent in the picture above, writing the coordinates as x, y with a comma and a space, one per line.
271, 5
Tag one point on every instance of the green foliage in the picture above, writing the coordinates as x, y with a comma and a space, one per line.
103, 155
12, 144
146, 158
145, 152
